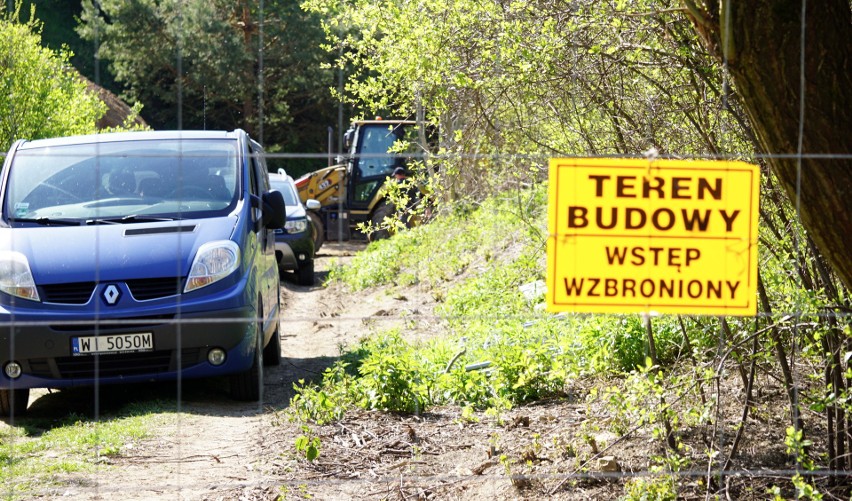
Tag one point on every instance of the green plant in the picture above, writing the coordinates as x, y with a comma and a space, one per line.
804, 490
655, 488
468, 415
40, 96
798, 446
390, 377
307, 444
326, 401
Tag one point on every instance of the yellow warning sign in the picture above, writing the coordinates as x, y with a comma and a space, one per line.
666, 236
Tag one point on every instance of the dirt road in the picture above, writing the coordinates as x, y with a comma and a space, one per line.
215, 448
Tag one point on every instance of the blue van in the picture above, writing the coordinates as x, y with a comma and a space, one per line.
137, 256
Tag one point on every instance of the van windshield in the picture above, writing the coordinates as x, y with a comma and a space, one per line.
127, 181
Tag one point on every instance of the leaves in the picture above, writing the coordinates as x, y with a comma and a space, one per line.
217, 64
39, 95
307, 444
548, 77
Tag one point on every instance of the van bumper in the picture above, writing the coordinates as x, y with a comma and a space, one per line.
181, 344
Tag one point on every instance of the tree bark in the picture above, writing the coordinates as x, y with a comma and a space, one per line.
761, 43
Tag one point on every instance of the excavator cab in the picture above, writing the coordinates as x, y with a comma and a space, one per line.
351, 191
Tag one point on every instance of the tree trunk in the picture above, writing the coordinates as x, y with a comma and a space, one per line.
761, 43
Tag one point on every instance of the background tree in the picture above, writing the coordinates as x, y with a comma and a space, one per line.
513, 83
544, 78
802, 115
40, 95
214, 64
619, 78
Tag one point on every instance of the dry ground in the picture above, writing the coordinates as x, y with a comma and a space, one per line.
217, 449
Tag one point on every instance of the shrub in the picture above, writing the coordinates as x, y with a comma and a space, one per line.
40, 96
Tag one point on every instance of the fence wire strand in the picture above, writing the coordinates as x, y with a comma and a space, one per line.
380, 479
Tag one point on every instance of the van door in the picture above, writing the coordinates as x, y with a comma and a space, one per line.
268, 267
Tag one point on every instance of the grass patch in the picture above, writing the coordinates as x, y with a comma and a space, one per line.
469, 239
500, 347
33, 454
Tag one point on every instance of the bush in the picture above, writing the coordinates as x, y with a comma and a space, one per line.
40, 95
516, 351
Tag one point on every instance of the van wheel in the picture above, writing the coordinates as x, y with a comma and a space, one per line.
272, 352
381, 212
14, 401
306, 273
317, 231
246, 386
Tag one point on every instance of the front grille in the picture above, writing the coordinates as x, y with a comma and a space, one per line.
76, 293
108, 324
142, 289
115, 365
154, 288
40, 367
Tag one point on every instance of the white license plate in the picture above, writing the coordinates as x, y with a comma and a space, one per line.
115, 343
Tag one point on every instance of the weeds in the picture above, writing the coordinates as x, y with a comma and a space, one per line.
307, 445
511, 352
500, 349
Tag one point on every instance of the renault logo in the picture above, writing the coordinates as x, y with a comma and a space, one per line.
111, 294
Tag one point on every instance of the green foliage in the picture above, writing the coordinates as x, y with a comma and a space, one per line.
60, 20
470, 238
76, 445
325, 402
391, 377
804, 490
657, 488
382, 265
584, 77
307, 444
503, 351
411, 200
798, 447
197, 64
40, 96
621, 342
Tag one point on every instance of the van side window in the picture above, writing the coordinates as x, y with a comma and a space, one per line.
259, 167
253, 171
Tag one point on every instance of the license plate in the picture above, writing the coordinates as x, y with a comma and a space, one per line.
115, 343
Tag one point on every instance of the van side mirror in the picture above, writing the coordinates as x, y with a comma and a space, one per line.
274, 210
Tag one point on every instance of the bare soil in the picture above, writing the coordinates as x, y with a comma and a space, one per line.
218, 449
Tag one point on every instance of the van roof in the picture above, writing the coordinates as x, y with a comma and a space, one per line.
130, 136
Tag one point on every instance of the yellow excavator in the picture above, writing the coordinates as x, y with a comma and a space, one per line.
350, 192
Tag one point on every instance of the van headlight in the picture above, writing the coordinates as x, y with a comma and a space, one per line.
296, 225
213, 262
16, 279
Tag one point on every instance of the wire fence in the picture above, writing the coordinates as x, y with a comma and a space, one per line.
722, 419
562, 448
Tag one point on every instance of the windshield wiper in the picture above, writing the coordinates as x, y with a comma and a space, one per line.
46, 221
133, 218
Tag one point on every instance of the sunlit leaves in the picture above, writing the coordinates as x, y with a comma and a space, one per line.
545, 77
40, 95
